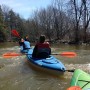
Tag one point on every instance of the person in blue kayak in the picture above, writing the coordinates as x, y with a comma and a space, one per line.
24, 45
26, 38
27, 43
42, 49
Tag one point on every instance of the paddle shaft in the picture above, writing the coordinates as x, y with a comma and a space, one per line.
70, 70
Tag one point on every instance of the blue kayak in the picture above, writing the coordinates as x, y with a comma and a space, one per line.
23, 51
50, 65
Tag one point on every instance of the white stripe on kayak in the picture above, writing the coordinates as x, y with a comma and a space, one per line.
77, 78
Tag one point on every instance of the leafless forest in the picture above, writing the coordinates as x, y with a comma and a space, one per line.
65, 21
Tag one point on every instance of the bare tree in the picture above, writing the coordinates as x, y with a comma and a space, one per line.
86, 18
80, 12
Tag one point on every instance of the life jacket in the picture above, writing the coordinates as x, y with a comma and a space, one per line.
43, 50
27, 45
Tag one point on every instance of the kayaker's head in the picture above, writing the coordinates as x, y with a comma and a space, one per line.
22, 40
26, 38
42, 39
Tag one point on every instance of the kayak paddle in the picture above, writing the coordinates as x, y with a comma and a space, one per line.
67, 54
74, 88
15, 33
13, 54
70, 70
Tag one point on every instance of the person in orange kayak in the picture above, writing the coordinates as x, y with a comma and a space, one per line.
42, 49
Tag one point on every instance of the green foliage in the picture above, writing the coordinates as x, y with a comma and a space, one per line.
2, 26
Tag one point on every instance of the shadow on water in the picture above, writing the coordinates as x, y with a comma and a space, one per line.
16, 73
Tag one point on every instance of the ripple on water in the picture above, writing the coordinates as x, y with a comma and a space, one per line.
16, 74
84, 67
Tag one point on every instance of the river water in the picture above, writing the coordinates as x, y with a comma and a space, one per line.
16, 74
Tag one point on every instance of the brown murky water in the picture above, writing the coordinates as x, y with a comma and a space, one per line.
16, 74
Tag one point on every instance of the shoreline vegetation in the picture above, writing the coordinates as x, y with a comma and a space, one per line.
51, 42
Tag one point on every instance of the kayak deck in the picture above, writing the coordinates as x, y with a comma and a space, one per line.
51, 64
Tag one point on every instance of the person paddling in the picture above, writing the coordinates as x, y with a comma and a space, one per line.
27, 43
24, 45
42, 49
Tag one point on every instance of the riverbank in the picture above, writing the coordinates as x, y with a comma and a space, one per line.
57, 43
70, 42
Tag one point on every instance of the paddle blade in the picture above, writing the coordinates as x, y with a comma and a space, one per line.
15, 33
69, 54
10, 55
74, 88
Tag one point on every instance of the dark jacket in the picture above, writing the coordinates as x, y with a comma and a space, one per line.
41, 50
